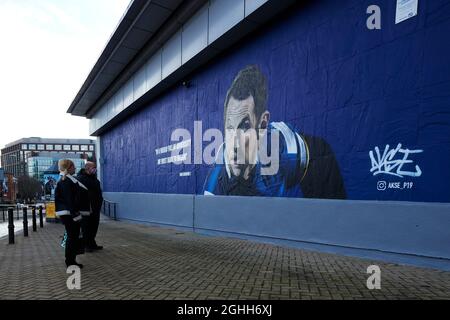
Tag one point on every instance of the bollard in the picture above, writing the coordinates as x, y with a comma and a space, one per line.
33, 215
41, 217
11, 225
25, 222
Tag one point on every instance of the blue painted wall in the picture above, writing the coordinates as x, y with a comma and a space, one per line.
329, 76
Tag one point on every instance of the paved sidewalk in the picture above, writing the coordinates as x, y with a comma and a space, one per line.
141, 262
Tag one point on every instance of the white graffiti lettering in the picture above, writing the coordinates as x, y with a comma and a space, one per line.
391, 162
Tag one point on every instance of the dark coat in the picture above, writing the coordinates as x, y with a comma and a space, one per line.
67, 198
94, 197
83, 196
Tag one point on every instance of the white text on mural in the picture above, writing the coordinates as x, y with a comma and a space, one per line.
394, 161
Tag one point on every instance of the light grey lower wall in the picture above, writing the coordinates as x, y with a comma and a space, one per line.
414, 229
174, 210
409, 228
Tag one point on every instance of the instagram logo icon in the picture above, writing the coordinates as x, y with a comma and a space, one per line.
382, 185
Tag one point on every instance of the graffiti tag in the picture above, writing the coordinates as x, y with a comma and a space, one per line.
391, 162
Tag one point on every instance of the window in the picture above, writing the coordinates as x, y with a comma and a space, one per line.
67, 147
49, 147
58, 147
75, 148
91, 148
24, 147
84, 148
32, 147
41, 147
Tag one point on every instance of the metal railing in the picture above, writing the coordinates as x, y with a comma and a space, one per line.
107, 205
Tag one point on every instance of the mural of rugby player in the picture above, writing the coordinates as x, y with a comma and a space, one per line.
307, 165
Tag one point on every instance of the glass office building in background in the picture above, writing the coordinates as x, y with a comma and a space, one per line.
47, 164
30, 155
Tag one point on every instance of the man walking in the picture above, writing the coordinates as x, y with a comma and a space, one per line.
88, 177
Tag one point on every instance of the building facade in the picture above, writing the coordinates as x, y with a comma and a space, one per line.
15, 155
3, 185
351, 103
47, 163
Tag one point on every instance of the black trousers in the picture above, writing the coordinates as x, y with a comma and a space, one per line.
90, 228
73, 233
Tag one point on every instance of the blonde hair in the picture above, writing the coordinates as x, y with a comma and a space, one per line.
63, 166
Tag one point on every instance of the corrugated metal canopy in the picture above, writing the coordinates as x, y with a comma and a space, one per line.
141, 21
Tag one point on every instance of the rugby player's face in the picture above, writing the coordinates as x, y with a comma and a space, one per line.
240, 135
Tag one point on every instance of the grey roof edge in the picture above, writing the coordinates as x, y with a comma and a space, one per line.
167, 29
131, 13
264, 15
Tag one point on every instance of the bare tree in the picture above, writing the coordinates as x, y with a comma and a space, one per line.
29, 188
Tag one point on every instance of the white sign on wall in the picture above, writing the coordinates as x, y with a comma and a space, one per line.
406, 9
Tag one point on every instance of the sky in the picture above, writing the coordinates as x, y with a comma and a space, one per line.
47, 49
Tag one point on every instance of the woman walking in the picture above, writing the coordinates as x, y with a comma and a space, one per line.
67, 208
